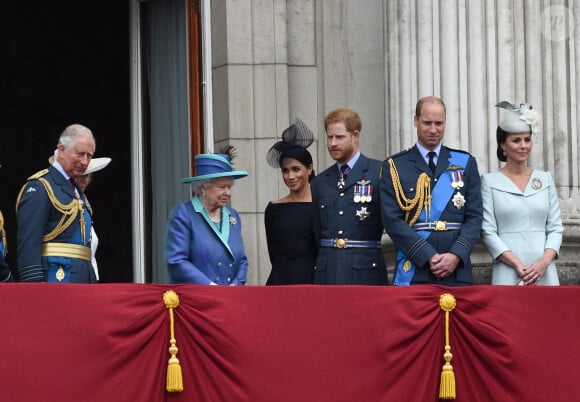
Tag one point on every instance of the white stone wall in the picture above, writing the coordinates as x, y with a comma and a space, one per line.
274, 60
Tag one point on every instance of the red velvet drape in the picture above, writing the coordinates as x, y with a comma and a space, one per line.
294, 344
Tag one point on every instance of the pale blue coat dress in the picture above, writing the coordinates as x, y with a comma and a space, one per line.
526, 223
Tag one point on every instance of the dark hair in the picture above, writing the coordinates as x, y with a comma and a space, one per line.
299, 153
431, 99
501, 136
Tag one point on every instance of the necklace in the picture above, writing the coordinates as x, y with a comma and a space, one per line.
215, 217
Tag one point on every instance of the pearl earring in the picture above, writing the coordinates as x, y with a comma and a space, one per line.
504, 153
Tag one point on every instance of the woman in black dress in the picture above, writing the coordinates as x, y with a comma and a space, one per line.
291, 243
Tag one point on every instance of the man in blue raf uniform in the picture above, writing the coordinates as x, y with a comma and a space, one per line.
431, 204
346, 206
54, 224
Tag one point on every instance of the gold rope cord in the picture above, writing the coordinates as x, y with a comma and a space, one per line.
447, 303
174, 377
69, 212
422, 194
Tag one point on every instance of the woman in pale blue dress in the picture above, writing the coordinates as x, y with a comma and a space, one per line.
522, 228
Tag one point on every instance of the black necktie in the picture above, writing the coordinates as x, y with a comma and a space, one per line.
432, 161
72, 183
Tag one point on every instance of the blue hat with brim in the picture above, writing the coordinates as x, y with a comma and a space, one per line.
212, 166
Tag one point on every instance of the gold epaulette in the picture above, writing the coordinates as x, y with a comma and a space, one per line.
38, 175
69, 211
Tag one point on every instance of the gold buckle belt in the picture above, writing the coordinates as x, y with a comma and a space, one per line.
346, 243
438, 226
66, 250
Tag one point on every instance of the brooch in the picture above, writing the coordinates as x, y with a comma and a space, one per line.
536, 183
233, 220
458, 200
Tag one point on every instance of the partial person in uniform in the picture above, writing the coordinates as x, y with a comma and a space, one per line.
522, 227
5, 271
289, 232
83, 182
346, 209
431, 204
54, 223
203, 243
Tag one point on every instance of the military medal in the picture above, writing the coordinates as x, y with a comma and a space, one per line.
362, 213
456, 179
60, 274
365, 189
458, 200
459, 178
536, 183
341, 183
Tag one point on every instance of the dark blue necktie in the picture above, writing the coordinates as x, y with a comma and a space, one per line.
344, 169
432, 161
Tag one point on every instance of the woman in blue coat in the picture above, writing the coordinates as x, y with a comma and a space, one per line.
204, 243
522, 228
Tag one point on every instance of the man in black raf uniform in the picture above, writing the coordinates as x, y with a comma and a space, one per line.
346, 208
431, 204
54, 223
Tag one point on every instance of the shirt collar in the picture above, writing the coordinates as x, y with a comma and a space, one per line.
425, 152
59, 167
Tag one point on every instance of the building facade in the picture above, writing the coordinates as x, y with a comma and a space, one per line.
274, 60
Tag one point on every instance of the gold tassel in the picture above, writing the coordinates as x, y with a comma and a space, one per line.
174, 377
447, 303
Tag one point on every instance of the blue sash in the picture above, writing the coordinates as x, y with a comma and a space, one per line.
441, 194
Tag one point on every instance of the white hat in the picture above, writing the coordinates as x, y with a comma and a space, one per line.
518, 119
97, 164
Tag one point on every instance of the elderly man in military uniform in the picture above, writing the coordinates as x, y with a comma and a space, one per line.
346, 205
54, 223
431, 204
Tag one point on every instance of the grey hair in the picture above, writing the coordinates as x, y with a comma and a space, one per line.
72, 133
198, 186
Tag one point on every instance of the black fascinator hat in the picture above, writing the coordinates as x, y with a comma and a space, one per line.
295, 140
